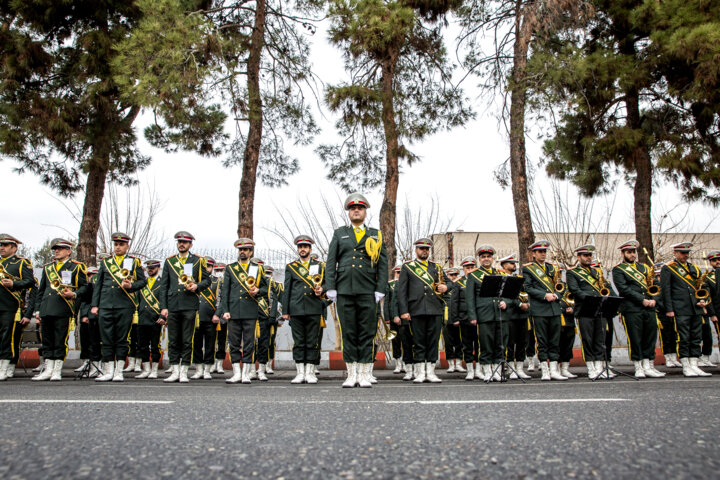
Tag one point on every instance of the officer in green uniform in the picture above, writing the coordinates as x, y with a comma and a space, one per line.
184, 276
451, 329
713, 310
206, 329
29, 301
567, 335
421, 293
221, 341
680, 282
302, 307
263, 331
666, 326
115, 303
150, 323
468, 328
90, 346
638, 310
242, 295
323, 321
545, 308
390, 314
276, 289
16, 277
63, 281
486, 311
517, 318
356, 277
404, 330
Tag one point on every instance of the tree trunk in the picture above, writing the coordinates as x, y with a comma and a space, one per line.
251, 156
90, 223
518, 171
642, 163
388, 211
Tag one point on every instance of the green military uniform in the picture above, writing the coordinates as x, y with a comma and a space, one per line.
206, 331
390, 311
305, 309
640, 322
12, 300
149, 331
116, 305
517, 319
451, 331
468, 331
262, 344
678, 294
90, 343
567, 334
583, 283
545, 314
277, 289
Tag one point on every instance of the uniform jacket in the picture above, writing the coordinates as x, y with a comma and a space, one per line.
234, 298
579, 287
21, 270
349, 269
677, 294
173, 295
538, 287
415, 296
49, 302
147, 314
107, 293
632, 291
458, 306
482, 309
299, 297
209, 300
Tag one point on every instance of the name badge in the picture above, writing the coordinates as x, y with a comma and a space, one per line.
253, 270
314, 269
188, 269
66, 277
128, 263
346, 236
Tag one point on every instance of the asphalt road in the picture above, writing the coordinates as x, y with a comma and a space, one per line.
665, 428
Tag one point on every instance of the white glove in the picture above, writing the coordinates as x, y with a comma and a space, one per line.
378, 296
332, 295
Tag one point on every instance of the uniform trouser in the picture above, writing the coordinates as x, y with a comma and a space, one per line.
84, 331
263, 341
567, 340
547, 335
451, 339
358, 326
305, 338
426, 337
90, 340
641, 332
204, 343
271, 345
149, 342
492, 337
241, 333
181, 330
17, 340
397, 341
220, 349
133, 341
517, 339
115, 332
321, 332
592, 337
707, 336
609, 333
7, 328
668, 335
55, 337
406, 338
531, 349
470, 345
689, 333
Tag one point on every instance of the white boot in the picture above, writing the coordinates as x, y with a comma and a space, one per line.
364, 378
46, 372
479, 372
555, 372
495, 372
118, 375
371, 378
108, 372
174, 376
206, 374
316, 370
650, 369
639, 370
470, 372
183, 374
545, 371
237, 374
268, 368
169, 370
352, 377
57, 371
10, 372
247, 369
565, 370
451, 365
687, 369
591, 373
40, 366
261, 373
138, 364
513, 374
199, 371
145, 370
696, 369
82, 367
408, 372
531, 364
431, 377
486, 372
130, 365
219, 368
4, 365
704, 361
300, 376
253, 372
675, 361
309, 373
213, 368
398, 366
521, 373
419, 372
459, 366
153, 370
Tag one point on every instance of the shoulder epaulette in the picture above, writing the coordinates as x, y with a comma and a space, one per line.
671, 262
527, 264
171, 256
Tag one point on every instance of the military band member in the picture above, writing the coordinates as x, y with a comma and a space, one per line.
150, 323
638, 310
713, 310
451, 330
567, 335
303, 307
29, 298
403, 328
389, 306
666, 326
184, 276
517, 318
468, 328
16, 276
263, 333
206, 330
90, 344
62, 282
276, 289
420, 292
241, 296
680, 284
221, 340
486, 311
356, 277
545, 309
323, 320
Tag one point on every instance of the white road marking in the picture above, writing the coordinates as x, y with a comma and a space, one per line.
524, 400
152, 402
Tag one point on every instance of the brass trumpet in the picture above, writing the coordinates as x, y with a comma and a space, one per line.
186, 280
317, 280
126, 274
58, 285
250, 281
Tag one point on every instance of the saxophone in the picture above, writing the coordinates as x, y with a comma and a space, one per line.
557, 281
604, 290
653, 290
701, 292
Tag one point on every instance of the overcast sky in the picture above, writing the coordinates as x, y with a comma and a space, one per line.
457, 167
